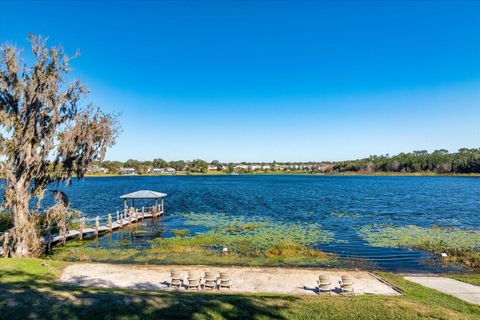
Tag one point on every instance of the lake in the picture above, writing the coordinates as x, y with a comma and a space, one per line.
341, 204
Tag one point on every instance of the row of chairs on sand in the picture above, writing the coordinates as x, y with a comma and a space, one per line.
198, 280
345, 285
212, 280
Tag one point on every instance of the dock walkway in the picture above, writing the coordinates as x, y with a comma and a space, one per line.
88, 227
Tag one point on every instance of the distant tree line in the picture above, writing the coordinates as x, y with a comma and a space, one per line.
142, 167
439, 161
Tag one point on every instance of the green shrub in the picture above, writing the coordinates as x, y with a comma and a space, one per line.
6, 221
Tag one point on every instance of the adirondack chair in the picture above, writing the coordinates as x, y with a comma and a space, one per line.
177, 280
194, 280
346, 285
211, 280
324, 284
225, 280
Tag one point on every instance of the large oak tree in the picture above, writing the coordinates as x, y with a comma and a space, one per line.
46, 135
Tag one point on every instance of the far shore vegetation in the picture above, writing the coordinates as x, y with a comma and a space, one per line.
440, 162
263, 172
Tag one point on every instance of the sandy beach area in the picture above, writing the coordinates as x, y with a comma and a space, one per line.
245, 279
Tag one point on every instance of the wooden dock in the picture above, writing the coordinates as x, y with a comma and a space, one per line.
94, 227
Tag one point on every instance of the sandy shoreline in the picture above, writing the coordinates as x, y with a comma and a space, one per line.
245, 279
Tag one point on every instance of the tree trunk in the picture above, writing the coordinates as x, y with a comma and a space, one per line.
25, 238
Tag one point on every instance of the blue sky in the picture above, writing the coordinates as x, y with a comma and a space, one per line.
264, 80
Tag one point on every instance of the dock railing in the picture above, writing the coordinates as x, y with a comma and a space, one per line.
88, 226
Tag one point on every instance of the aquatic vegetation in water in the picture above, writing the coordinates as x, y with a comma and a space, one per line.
346, 215
433, 238
249, 241
180, 232
460, 245
243, 237
260, 230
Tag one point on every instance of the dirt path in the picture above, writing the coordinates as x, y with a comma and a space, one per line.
245, 279
462, 290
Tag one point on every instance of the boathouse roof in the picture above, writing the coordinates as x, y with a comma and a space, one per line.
144, 194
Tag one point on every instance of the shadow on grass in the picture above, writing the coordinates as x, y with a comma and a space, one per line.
34, 296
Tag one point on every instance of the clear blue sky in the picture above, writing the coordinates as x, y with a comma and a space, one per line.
263, 81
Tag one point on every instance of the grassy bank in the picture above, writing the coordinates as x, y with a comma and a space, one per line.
461, 246
28, 289
78, 252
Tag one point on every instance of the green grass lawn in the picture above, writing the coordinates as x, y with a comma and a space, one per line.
28, 290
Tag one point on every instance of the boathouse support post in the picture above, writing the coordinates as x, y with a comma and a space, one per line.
143, 213
121, 220
110, 222
82, 224
118, 215
97, 225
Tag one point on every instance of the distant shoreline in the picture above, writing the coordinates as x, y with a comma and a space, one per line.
349, 173
344, 174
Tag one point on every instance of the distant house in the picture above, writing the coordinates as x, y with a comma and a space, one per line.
322, 168
128, 171
266, 167
241, 167
212, 167
254, 167
96, 169
164, 170
293, 167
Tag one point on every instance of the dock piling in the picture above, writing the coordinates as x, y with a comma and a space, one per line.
97, 225
82, 225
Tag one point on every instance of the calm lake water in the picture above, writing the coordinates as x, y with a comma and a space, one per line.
423, 201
